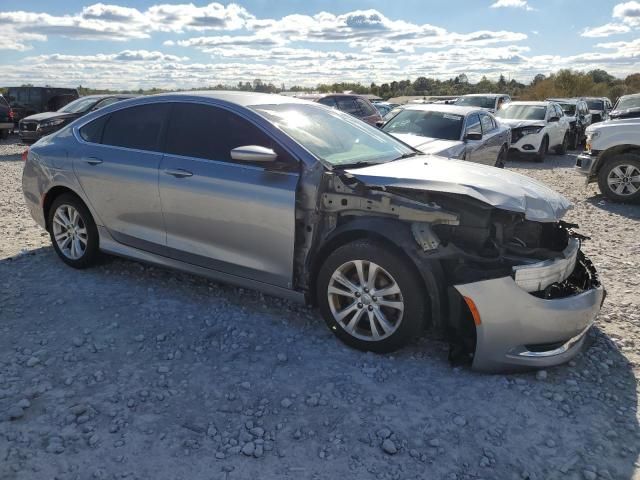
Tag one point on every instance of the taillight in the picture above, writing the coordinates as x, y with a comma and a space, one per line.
11, 115
25, 154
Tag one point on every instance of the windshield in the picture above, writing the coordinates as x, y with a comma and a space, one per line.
568, 109
628, 102
595, 104
79, 105
522, 112
477, 101
441, 125
333, 136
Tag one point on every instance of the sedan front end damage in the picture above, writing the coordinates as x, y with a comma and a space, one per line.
513, 289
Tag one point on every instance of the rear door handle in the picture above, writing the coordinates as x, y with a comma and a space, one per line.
178, 172
93, 161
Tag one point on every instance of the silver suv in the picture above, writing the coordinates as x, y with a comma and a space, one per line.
300, 200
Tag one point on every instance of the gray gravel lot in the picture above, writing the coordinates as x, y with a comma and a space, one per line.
129, 371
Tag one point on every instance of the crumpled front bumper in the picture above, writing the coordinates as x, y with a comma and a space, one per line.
516, 330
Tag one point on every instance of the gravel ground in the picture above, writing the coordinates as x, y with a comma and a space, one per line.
130, 371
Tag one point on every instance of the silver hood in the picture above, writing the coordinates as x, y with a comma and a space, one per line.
494, 186
426, 144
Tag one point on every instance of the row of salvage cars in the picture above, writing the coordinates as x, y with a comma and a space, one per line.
303, 201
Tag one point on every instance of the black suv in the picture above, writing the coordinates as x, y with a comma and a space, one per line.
26, 101
34, 127
599, 108
6, 118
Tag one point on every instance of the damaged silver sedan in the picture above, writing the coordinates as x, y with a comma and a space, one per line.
302, 201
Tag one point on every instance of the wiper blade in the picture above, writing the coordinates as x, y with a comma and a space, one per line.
407, 155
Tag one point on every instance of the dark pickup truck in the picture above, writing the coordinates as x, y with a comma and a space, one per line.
26, 101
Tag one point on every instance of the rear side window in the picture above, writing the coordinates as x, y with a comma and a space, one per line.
3, 102
348, 105
136, 127
92, 131
208, 132
487, 124
473, 124
366, 108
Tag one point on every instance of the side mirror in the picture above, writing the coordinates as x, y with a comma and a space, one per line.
379, 123
554, 119
253, 153
473, 136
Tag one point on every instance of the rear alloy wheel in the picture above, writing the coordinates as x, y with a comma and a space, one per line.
502, 158
542, 151
562, 149
619, 179
370, 297
73, 232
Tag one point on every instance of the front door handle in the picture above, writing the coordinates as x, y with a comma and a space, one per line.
178, 172
93, 161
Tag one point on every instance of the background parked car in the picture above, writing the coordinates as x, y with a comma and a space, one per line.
612, 158
577, 111
599, 108
26, 101
384, 107
489, 101
354, 105
627, 106
536, 127
466, 133
34, 127
6, 118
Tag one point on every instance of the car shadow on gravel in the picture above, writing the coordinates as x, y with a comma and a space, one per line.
126, 368
11, 149
551, 161
629, 210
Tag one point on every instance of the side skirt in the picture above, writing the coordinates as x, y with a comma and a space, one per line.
109, 245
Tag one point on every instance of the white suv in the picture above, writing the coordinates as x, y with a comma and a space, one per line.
536, 127
612, 158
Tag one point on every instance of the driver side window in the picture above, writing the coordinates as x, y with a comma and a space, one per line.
208, 132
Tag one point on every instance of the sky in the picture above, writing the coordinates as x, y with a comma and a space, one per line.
142, 44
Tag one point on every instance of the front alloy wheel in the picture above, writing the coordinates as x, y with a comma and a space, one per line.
619, 179
365, 300
371, 296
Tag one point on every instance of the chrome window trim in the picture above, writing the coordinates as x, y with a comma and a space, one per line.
79, 139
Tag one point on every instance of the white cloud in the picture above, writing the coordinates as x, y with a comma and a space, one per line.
605, 30
116, 23
512, 4
628, 12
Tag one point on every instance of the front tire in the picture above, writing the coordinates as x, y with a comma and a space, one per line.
542, 151
562, 149
619, 179
73, 232
371, 297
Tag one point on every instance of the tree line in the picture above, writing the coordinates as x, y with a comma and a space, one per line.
564, 83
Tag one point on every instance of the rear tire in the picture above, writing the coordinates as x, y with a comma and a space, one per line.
619, 179
542, 151
73, 232
371, 297
562, 149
